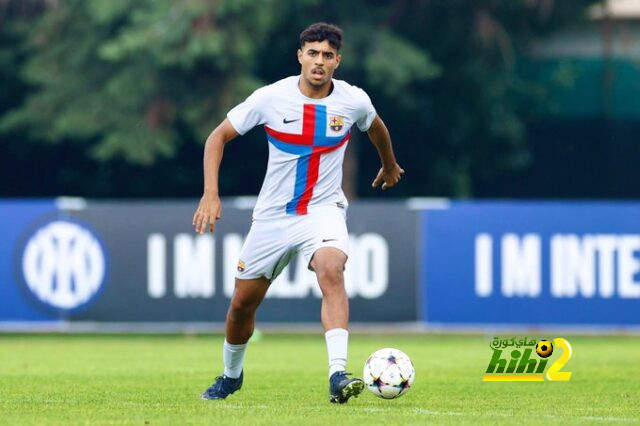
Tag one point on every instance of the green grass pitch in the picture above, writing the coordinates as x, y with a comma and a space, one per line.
157, 379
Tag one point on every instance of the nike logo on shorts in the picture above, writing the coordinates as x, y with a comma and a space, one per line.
285, 121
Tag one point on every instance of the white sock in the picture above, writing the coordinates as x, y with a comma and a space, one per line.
337, 339
233, 356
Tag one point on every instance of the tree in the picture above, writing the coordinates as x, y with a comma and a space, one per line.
138, 85
127, 78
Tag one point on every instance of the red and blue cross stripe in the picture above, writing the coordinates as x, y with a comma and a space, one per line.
309, 146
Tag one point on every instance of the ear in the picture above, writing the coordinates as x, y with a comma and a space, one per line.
300, 56
338, 59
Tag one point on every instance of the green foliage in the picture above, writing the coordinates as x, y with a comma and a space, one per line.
123, 77
389, 64
468, 124
139, 81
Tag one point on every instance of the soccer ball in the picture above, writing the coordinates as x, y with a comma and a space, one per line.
388, 373
544, 348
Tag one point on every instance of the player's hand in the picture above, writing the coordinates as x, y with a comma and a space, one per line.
209, 210
388, 177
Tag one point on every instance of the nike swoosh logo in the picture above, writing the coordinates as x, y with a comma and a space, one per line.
285, 121
330, 239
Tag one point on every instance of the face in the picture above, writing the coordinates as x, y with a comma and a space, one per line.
319, 60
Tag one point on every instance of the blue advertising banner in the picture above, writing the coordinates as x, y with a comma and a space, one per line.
18, 219
477, 263
72, 260
531, 263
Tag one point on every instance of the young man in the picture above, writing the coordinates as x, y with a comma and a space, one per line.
301, 206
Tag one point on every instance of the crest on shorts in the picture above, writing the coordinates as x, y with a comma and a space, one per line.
241, 266
336, 123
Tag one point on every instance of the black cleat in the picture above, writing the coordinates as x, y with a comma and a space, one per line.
223, 387
341, 387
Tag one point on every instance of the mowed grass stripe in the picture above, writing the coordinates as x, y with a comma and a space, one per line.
157, 379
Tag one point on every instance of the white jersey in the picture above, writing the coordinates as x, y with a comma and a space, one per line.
307, 139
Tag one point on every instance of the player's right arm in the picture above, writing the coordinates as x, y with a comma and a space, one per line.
210, 208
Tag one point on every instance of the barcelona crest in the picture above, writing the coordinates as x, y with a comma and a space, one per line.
336, 123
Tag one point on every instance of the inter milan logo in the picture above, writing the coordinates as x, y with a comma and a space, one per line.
336, 122
64, 265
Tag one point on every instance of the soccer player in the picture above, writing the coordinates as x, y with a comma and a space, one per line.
301, 206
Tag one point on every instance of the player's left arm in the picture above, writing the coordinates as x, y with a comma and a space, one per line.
390, 172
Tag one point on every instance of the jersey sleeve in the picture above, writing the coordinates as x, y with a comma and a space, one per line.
248, 114
366, 110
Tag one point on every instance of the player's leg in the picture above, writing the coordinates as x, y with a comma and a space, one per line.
326, 248
241, 320
328, 263
262, 250
241, 317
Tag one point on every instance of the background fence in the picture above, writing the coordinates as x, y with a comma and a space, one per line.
453, 263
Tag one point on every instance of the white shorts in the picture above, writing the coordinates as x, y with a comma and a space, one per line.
271, 244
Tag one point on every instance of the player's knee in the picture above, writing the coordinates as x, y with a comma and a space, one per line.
241, 308
331, 273
239, 314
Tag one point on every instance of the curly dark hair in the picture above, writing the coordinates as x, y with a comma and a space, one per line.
321, 31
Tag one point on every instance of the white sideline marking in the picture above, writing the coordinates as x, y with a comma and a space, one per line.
457, 413
244, 407
594, 418
548, 416
415, 410
437, 413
